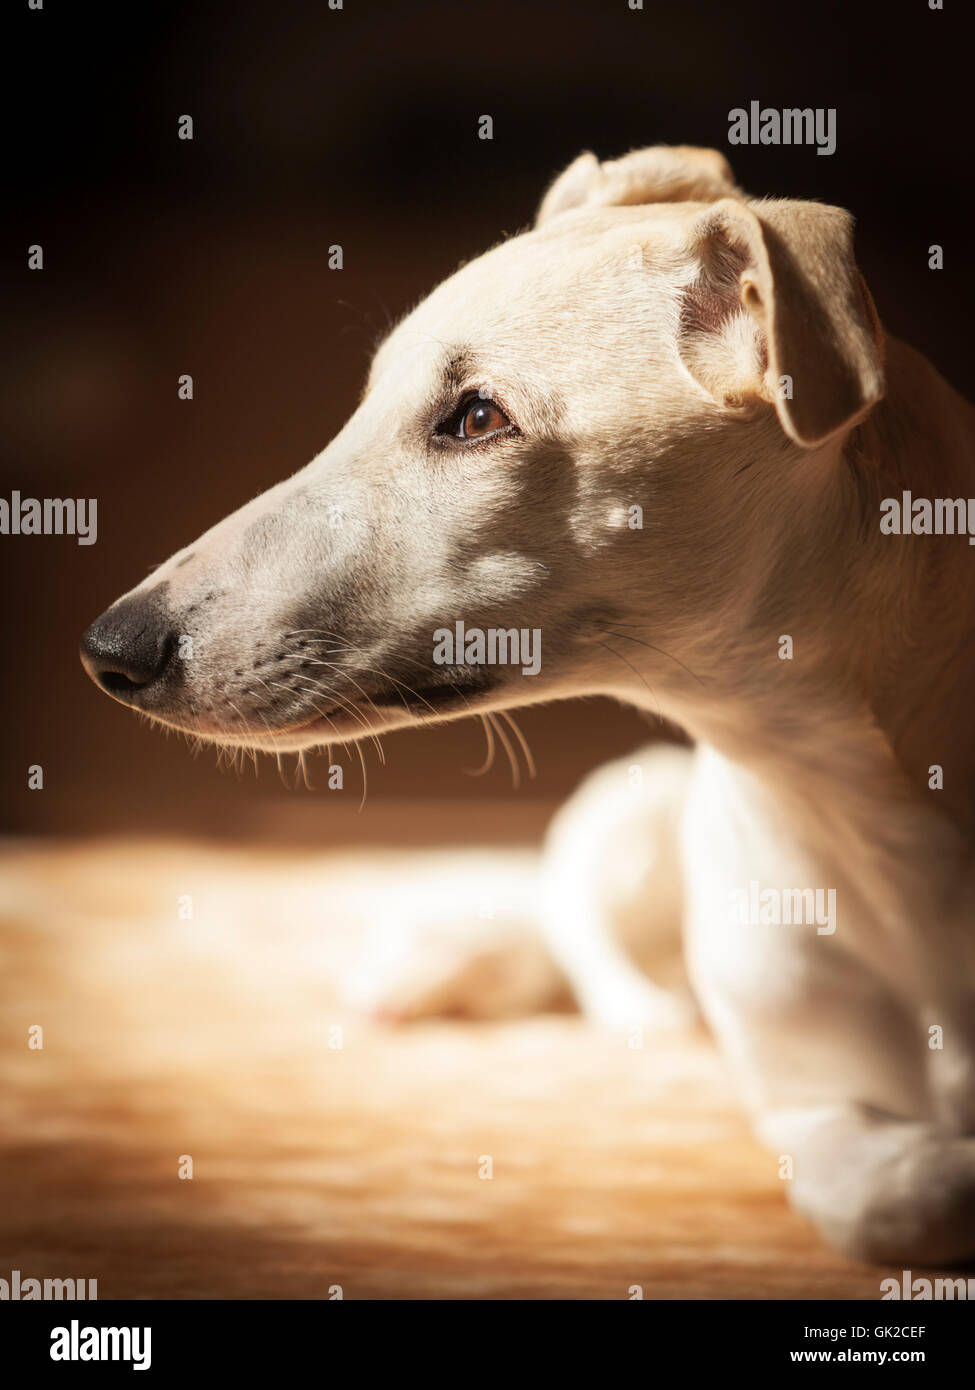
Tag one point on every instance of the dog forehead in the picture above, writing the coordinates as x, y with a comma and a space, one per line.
517, 276
527, 284
546, 262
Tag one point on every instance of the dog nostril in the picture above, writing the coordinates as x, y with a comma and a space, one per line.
116, 683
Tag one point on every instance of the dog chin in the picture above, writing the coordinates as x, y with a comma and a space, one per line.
348, 728
316, 733
350, 722
338, 727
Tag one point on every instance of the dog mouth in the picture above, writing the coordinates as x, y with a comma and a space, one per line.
362, 713
357, 709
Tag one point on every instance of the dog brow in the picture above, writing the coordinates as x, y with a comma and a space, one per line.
462, 364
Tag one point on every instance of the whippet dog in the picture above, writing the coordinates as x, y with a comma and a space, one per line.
653, 439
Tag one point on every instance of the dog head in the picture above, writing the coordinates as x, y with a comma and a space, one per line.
574, 441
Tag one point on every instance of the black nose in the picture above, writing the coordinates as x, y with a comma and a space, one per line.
128, 649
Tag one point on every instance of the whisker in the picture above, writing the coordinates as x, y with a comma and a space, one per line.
506, 745
386, 677
327, 635
277, 755
636, 672
355, 744
365, 776
627, 638
314, 706
304, 771
349, 709
382, 756
489, 755
245, 751
529, 760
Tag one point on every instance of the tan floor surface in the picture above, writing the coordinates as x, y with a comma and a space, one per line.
359, 1166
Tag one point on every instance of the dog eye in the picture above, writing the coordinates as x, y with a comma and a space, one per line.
479, 419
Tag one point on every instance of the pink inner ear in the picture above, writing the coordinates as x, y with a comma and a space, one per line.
721, 343
704, 309
716, 296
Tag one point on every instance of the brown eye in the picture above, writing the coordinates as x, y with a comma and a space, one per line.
481, 418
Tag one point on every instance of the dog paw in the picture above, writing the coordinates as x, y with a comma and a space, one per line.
396, 986
455, 971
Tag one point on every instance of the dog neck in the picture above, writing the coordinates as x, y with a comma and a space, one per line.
878, 691
917, 666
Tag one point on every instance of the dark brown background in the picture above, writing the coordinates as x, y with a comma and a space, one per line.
359, 126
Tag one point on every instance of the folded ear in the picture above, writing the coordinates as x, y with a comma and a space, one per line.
660, 174
777, 282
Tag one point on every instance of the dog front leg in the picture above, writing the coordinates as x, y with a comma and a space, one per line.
880, 1188
833, 1070
831, 1059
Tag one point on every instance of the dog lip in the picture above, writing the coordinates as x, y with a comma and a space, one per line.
322, 718
433, 695
415, 700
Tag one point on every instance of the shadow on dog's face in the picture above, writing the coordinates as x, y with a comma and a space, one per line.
548, 462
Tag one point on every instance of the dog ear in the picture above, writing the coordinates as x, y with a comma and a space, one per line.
777, 282
660, 174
